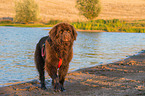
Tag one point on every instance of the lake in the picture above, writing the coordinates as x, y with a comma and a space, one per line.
17, 47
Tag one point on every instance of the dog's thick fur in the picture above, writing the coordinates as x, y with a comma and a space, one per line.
59, 44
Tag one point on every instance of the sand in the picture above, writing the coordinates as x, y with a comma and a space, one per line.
121, 78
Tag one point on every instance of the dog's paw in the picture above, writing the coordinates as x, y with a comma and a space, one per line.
43, 87
56, 84
57, 87
62, 89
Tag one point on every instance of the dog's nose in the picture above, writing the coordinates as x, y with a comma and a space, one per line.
67, 36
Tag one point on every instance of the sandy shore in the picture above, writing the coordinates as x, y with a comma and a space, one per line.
122, 78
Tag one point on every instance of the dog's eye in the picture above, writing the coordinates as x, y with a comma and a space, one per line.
60, 32
57, 36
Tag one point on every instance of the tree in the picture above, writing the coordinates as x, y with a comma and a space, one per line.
26, 11
89, 8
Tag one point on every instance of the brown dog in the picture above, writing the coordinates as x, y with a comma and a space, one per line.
53, 52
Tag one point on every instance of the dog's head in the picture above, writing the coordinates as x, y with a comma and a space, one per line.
63, 32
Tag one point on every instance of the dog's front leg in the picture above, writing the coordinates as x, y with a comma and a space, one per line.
52, 71
62, 73
56, 84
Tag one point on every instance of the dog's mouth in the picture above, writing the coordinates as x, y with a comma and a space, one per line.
66, 40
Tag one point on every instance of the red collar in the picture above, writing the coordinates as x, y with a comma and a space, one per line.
43, 55
60, 62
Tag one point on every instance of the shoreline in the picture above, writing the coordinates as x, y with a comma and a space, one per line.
122, 78
80, 30
100, 25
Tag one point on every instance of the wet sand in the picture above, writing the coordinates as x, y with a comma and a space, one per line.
121, 78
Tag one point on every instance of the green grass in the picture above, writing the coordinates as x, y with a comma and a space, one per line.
115, 25
26, 25
51, 23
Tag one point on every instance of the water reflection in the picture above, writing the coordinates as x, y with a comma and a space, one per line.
102, 48
17, 49
86, 48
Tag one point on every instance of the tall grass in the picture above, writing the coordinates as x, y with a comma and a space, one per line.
6, 22
53, 22
114, 25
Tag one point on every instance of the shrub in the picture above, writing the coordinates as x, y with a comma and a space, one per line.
26, 11
53, 22
89, 8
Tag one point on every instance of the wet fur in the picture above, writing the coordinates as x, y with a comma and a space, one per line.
55, 48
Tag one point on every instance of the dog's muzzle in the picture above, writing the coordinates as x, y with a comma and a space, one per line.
66, 37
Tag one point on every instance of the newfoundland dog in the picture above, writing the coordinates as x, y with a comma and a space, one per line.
53, 53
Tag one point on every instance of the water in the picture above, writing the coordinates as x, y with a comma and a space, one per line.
17, 47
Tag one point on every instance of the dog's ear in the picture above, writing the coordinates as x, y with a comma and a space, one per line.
74, 32
53, 32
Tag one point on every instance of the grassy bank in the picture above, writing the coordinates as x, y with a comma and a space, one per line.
114, 25
51, 23
26, 25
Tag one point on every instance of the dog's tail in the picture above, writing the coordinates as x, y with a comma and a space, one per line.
39, 61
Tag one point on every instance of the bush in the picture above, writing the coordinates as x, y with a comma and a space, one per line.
26, 11
89, 8
53, 22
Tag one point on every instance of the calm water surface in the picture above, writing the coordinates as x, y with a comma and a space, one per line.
17, 47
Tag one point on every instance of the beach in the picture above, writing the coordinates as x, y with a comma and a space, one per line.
122, 78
